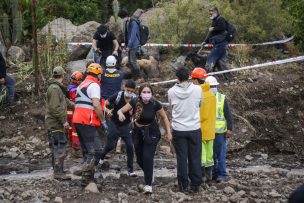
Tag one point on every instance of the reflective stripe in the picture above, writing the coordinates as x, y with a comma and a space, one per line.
70, 112
74, 134
87, 106
221, 123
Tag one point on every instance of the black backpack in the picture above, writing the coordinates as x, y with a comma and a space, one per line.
231, 32
144, 34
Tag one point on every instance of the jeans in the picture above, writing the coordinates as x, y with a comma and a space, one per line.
101, 58
10, 84
188, 147
90, 142
219, 155
218, 57
116, 131
133, 61
145, 150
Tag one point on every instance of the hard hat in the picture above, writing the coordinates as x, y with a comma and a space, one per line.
94, 68
212, 81
199, 73
58, 71
111, 61
78, 76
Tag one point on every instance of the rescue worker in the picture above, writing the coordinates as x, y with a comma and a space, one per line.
207, 116
111, 78
56, 122
8, 81
223, 130
87, 118
76, 79
116, 127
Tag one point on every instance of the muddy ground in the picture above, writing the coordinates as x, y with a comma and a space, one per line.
265, 158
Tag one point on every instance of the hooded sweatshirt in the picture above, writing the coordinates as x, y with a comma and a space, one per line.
185, 100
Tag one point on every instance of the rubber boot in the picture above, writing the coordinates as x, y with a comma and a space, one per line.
208, 171
183, 187
58, 170
87, 175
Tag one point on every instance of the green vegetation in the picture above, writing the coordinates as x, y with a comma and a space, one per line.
296, 9
258, 20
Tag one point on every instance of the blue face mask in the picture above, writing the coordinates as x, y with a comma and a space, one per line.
214, 90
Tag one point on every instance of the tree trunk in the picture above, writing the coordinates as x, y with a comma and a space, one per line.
35, 47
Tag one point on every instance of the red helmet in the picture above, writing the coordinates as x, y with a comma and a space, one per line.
78, 76
199, 73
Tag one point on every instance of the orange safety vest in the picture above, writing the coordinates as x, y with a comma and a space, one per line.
84, 110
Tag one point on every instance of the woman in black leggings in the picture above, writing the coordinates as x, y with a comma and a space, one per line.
146, 133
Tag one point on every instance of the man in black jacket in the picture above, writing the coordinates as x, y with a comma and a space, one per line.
217, 36
7, 81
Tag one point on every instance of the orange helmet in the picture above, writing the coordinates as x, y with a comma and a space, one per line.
199, 73
94, 68
78, 76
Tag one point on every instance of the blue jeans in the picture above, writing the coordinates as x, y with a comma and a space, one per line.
219, 155
218, 58
10, 84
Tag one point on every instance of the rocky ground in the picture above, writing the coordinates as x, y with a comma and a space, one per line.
265, 157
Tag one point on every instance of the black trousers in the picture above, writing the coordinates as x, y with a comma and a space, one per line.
90, 142
116, 131
145, 143
188, 147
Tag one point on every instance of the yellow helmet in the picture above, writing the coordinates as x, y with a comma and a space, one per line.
94, 68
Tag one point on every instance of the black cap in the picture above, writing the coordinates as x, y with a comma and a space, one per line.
102, 29
130, 84
213, 9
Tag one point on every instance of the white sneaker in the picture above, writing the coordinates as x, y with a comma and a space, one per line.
101, 162
132, 174
148, 189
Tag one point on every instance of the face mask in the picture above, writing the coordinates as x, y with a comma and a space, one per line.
211, 17
214, 90
129, 95
146, 96
103, 36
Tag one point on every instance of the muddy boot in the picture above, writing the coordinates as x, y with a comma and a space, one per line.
183, 187
87, 175
208, 174
59, 174
77, 153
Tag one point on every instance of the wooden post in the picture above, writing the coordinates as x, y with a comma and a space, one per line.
35, 47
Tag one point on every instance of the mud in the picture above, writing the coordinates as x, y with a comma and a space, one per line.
268, 114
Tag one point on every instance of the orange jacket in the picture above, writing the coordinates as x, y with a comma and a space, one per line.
84, 110
207, 113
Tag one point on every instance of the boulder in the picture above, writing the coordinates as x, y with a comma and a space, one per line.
16, 54
61, 28
79, 65
179, 62
92, 187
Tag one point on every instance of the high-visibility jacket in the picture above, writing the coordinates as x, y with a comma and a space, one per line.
221, 123
72, 95
207, 113
84, 110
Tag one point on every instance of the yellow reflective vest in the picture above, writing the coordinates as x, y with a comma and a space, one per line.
207, 113
221, 123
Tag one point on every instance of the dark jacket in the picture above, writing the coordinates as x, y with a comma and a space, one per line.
228, 115
2, 67
218, 34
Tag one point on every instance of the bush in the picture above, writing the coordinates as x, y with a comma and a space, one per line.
179, 21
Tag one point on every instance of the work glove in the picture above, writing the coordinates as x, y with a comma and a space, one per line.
105, 127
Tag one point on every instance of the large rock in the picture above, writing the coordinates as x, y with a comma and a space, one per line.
63, 29
79, 65
16, 54
92, 187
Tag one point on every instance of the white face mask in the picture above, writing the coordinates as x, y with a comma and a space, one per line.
103, 36
129, 95
211, 17
214, 90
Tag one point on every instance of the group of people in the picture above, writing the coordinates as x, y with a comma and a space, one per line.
201, 120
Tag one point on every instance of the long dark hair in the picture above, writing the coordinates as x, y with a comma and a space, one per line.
139, 105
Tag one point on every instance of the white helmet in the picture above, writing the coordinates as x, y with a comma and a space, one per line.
212, 81
111, 61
